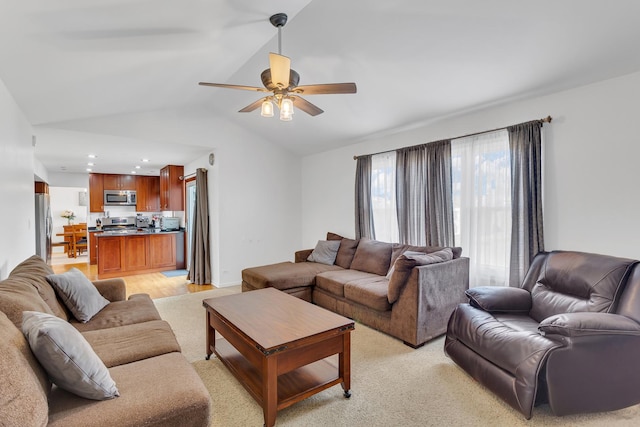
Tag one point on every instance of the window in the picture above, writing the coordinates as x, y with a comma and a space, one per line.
383, 196
481, 173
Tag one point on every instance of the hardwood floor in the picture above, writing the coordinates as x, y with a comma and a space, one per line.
157, 285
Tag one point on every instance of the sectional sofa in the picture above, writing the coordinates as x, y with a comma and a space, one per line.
379, 284
156, 385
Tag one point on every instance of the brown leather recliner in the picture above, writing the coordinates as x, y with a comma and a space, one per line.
569, 336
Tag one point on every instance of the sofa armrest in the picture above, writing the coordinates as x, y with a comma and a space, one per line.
494, 299
427, 300
112, 289
301, 256
588, 324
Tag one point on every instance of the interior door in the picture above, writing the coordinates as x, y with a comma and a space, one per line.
190, 190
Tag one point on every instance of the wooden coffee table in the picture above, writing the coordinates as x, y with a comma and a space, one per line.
282, 349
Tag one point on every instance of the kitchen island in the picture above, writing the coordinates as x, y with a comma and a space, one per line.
128, 252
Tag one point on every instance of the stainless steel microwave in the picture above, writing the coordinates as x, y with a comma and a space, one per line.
120, 198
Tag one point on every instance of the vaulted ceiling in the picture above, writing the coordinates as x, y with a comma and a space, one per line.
108, 75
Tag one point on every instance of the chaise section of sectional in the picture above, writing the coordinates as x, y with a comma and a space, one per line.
296, 278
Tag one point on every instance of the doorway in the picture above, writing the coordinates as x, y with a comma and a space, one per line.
190, 192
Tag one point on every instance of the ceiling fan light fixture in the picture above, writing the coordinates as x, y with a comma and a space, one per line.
286, 109
267, 108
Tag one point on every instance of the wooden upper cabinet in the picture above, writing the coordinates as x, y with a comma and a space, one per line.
119, 182
96, 192
148, 193
171, 188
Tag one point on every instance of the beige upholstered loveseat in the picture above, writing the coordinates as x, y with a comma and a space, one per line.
157, 386
413, 303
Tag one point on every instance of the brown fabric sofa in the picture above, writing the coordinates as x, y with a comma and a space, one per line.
157, 385
413, 305
569, 336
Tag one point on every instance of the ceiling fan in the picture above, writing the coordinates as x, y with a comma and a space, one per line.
282, 82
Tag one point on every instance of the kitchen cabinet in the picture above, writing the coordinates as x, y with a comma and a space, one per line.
138, 253
96, 192
171, 188
93, 248
148, 194
162, 249
119, 182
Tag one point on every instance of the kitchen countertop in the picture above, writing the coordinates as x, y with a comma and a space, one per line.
134, 232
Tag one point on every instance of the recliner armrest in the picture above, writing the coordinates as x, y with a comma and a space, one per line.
494, 299
588, 324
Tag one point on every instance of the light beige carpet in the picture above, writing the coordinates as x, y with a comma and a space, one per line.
392, 385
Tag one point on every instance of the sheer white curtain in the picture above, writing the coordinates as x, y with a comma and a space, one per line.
383, 196
482, 205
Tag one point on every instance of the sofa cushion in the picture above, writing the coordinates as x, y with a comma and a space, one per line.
35, 271
372, 256
79, 295
371, 292
285, 275
346, 251
24, 384
334, 281
571, 282
67, 356
137, 309
325, 252
130, 343
160, 391
17, 295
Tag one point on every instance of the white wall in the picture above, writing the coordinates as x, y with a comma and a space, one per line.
254, 205
591, 157
17, 213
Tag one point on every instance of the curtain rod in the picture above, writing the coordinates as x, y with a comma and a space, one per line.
544, 120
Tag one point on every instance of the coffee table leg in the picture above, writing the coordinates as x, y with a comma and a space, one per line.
270, 390
344, 364
211, 336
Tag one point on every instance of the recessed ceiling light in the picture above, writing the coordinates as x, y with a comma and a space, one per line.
137, 167
133, 172
90, 164
145, 160
88, 169
92, 156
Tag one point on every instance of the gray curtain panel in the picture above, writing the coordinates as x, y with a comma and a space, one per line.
364, 209
200, 262
424, 195
527, 236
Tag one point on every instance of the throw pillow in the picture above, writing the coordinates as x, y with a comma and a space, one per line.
442, 255
346, 252
67, 356
79, 295
400, 275
325, 252
406, 253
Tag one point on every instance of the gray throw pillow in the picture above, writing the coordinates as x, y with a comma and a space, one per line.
79, 295
67, 356
325, 252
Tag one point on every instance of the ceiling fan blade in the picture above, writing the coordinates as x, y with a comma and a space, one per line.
253, 106
326, 89
253, 88
306, 106
280, 67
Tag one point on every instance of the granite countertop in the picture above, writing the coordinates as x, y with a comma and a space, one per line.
134, 232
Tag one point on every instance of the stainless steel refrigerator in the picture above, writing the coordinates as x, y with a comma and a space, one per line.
44, 227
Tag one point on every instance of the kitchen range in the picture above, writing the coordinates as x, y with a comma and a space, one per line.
135, 244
